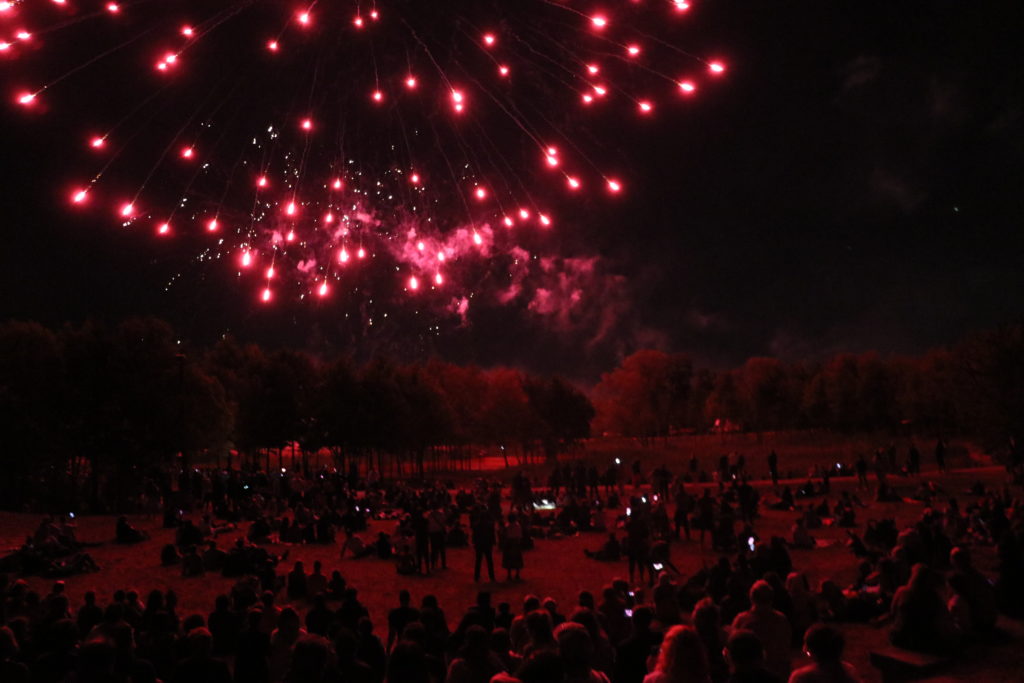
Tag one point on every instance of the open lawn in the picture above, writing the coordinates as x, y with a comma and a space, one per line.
556, 568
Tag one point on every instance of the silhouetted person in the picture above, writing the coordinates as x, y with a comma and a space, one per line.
251, 663
770, 626
632, 654
400, 617
825, 646
200, 666
483, 543
940, 455
978, 592
297, 582
745, 656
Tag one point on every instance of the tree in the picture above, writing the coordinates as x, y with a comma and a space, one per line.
564, 413
724, 403
507, 416
644, 397
992, 382
32, 388
764, 394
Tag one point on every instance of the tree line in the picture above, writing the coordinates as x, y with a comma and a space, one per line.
88, 412
974, 388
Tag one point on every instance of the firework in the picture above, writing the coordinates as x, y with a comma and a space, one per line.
310, 136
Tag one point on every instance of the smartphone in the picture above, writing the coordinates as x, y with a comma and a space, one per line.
658, 566
631, 594
629, 613
750, 543
71, 515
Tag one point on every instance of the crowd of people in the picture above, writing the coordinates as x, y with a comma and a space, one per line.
317, 630
742, 620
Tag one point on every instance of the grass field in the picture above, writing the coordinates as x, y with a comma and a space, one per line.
799, 451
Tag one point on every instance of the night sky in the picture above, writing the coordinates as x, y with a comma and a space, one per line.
856, 182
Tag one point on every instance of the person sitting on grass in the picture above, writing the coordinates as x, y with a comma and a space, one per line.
475, 663
802, 538
977, 593
126, 533
611, 551
355, 545
824, 645
770, 626
169, 555
192, 563
745, 656
681, 659
921, 621
577, 652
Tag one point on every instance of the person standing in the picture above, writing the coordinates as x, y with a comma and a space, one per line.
483, 542
638, 545
437, 530
913, 460
512, 548
940, 454
773, 467
420, 527
685, 505
706, 515
862, 472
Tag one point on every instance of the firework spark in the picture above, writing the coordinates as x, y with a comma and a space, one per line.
316, 137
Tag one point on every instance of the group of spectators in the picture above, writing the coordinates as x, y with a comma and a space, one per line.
742, 620
316, 630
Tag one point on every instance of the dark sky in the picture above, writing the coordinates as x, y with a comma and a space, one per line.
857, 182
